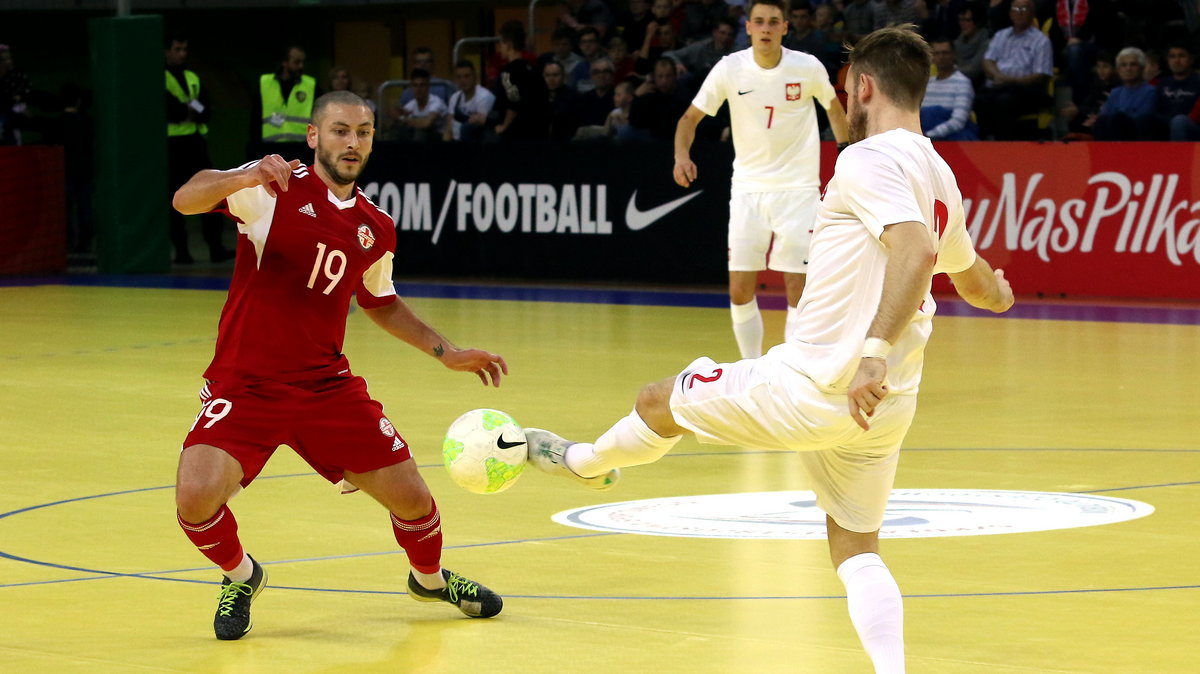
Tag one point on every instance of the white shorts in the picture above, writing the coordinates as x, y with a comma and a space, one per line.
755, 216
762, 404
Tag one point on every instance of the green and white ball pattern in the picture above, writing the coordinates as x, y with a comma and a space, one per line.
484, 451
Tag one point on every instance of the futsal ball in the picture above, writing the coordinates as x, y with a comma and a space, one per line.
484, 451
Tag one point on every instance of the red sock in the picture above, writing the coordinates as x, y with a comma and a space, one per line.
421, 539
216, 538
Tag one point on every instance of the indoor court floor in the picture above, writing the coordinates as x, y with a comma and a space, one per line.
1064, 434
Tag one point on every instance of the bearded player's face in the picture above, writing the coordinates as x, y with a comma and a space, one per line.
344, 137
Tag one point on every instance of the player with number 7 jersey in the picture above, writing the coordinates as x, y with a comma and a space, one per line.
308, 239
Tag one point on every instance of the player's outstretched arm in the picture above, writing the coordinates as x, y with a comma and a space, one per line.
685, 133
399, 320
910, 265
208, 188
983, 287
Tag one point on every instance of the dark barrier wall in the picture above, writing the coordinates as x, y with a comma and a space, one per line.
33, 228
594, 212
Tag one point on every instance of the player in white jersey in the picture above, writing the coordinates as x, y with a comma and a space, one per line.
776, 172
842, 389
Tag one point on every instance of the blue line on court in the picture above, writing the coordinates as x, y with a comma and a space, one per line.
1174, 314
158, 575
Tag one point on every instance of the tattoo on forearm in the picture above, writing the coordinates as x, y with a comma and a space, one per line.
438, 350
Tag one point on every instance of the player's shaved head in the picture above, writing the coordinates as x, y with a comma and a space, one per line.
899, 59
335, 98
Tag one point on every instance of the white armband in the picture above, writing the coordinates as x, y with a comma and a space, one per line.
875, 347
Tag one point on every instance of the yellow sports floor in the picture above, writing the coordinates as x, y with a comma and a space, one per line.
98, 387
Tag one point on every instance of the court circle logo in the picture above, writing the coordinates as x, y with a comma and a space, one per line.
911, 513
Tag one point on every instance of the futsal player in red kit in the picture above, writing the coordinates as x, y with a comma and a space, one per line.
308, 239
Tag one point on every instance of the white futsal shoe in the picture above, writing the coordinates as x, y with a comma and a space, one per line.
547, 451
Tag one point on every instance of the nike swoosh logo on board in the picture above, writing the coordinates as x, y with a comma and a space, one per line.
743, 93
637, 219
504, 444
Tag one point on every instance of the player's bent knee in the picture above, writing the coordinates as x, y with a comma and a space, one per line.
198, 500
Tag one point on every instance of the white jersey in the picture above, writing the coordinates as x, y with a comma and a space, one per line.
886, 179
773, 118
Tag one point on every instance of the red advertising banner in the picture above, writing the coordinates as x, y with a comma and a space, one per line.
1079, 219
1097, 219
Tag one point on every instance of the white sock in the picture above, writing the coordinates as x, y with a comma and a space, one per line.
430, 581
876, 609
629, 442
793, 313
747, 328
244, 570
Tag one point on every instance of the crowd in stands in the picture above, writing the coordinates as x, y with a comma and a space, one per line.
1004, 69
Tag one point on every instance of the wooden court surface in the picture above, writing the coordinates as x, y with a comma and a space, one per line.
98, 387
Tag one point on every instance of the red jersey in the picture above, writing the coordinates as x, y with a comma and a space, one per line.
300, 256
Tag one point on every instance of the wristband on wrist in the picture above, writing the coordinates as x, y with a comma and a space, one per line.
875, 347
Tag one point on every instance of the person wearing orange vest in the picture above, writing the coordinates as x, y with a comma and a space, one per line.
188, 113
286, 100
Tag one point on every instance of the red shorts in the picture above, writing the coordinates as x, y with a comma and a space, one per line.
332, 424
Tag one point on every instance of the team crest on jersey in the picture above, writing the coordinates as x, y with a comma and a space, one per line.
386, 427
366, 238
793, 91
301, 96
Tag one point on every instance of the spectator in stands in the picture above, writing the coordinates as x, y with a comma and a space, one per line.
520, 93
859, 19
580, 14
658, 104
1018, 64
421, 119
825, 20
1130, 107
339, 79
1177, 92
1187, 128
999, 16
1153, 67
589, 48
631, 27
563, 101
700, 19
423, 60
363, 89
693, 62
285, 100
469, 107
15, 90
623, 62
970, 45
616, 125
1081, 119
899, 12
562, 50
188, 112
946, 109
660, 36
941, 19
802, 33
73, 130
595, 104
1078, 29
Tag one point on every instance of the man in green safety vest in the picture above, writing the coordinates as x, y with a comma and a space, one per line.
188, 113
287, 97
